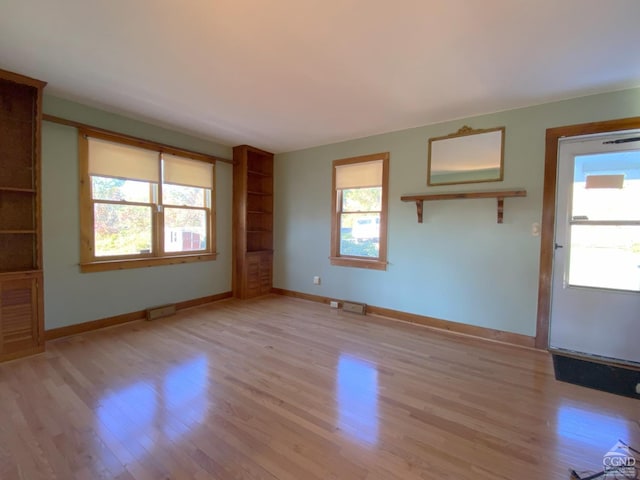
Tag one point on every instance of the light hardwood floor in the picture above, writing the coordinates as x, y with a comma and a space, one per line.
281, 388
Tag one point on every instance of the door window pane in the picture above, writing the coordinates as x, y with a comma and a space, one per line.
607, 186
605, 209
605, 257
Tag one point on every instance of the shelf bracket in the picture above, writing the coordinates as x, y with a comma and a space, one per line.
500, 209
419, 204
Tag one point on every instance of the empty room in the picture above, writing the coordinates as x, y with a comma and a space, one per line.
319, 240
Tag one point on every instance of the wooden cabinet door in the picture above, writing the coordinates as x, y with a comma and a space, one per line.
258, 274
265, 268
252, 276
19, 315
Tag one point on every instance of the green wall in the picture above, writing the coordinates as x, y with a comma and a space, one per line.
459, 265
72, 297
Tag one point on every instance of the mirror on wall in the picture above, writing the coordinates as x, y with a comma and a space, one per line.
467, 156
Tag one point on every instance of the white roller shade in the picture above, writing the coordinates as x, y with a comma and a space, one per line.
359, 175
187, 172
109, 159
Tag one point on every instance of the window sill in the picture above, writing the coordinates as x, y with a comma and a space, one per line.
106, 265
372, 264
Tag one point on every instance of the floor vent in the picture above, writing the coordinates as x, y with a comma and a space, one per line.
158, 312
354, 307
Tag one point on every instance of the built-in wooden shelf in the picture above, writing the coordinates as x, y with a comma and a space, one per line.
259, 173
17, 190
252, 222
500, 195
24, 271
21, 298
253, 192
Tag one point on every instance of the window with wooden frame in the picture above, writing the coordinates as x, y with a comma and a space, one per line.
143, 204
359, 211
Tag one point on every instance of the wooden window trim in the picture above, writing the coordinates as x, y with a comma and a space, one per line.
135, 141
103, 266
358, 262
90, 263
336, 259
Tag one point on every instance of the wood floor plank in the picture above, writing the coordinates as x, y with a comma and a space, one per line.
279, 388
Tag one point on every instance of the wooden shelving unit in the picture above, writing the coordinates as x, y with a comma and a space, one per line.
500, 195
21, 299
253, 221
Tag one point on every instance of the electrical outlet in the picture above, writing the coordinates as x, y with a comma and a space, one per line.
333, 304
316, 280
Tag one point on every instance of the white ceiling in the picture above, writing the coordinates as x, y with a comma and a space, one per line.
290, 74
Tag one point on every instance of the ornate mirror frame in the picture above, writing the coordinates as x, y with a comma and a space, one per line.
467, 156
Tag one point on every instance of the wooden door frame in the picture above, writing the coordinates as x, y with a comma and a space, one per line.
549, 210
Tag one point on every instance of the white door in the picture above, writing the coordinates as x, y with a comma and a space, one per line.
595, 303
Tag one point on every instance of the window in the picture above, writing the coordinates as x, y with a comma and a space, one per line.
604, 221
359, 212
143, 204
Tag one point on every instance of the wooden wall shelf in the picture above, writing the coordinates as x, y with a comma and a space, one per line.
500, 195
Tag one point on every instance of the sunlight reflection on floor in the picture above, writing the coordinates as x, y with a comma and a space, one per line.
173, 407
357, 394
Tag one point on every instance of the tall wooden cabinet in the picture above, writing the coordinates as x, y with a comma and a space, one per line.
252, 221
21, 304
